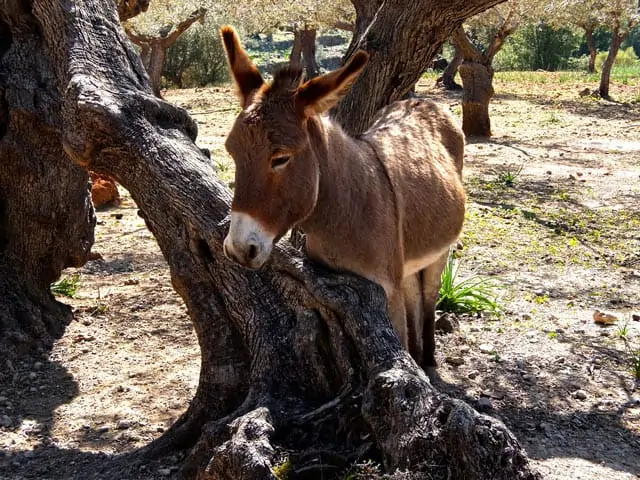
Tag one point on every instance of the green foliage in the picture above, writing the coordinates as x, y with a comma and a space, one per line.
625, 58
283, 470
67, 286
472, 295
197, 58
538, 46
509, 175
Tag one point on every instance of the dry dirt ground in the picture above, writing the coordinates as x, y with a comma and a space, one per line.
563, 239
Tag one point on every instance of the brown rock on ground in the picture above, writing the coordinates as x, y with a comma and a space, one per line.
104, 190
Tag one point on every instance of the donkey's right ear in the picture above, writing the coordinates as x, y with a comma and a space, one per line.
244, 72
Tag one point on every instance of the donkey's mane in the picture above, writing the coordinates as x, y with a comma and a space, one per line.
286, 79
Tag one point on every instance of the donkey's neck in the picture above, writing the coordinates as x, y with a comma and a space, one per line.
347, 173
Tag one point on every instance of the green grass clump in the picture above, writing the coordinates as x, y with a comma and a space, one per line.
472, 295
67, 286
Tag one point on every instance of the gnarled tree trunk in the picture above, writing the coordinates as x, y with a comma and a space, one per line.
309, 52
294, 358
402, 37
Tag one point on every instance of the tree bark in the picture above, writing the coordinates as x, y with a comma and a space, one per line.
448, 77
309, 52
46, 216
293, 356
402, 37
593, 51
607, 66
295, 59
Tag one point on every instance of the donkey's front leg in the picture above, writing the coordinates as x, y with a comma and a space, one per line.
398, 315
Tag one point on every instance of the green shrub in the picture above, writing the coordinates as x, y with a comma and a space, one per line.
197, 58
67, 286
625, 58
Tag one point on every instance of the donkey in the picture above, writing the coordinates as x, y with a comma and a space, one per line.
386, 205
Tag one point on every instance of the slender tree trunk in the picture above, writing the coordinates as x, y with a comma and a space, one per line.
605, 75
295, 59
391, 32
293, 356
309, 52
449, 74
155, 65
593, 51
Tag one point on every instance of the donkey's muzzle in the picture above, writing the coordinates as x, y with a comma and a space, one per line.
247, 243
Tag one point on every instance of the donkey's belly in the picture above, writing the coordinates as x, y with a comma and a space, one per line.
414, 265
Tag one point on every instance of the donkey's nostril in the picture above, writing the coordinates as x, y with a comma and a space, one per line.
252, 252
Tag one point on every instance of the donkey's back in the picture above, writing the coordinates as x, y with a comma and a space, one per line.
422, 149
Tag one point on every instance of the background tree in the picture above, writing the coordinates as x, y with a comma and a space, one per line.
476, 69
304, 18
157, 30
292, 356
619, 16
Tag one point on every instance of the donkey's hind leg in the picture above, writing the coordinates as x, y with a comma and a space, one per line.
431, 281
412, 290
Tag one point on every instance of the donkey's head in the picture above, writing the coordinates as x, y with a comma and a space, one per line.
276, 143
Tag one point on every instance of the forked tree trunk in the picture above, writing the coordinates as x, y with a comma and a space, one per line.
607, 66
153, 49
402, 38
293, 357
593, 51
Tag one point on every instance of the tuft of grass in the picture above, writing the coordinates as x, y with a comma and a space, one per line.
472, 295
509, 175
67, 286
283, 470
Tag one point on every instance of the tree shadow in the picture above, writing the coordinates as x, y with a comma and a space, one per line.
535, 396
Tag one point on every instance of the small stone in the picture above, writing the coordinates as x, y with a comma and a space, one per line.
526, 317
123, 424
465, 349
33, 375
635, 317
486, 348
131, 281
580, 394
5, 421
454, 360
447, 324
559, 330
86, 321
160, 428
604, 333
37, 365
604, 318
484, 403
527, 378
538, 292
102, 429
33, 390
165, 472
473, 374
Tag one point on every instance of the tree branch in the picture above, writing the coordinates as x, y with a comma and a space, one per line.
469, 51
198, 15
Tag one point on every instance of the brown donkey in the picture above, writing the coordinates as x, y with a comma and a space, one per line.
386, 205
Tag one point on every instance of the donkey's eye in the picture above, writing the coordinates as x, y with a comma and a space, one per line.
279, 160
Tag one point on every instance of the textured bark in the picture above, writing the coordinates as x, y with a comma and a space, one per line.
477, 78
294, 358
154, 49
402, 37
295, 59
309, 52
46, 216
593, 51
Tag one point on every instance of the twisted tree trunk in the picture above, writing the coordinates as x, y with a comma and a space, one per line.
593, 51
448, 77
402, 37
294, 358
605, 76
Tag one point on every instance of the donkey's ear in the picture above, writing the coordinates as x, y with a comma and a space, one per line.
244, 72
322, 93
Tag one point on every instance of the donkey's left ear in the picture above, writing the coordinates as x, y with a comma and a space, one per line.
322, 93
244, 72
